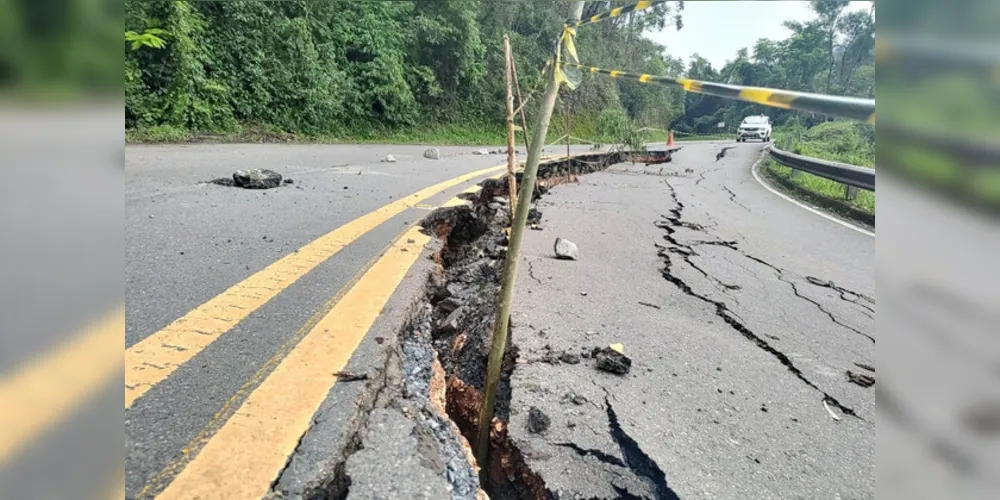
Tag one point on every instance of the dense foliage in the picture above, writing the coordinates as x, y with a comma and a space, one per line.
843, 141
370, 69
359, 69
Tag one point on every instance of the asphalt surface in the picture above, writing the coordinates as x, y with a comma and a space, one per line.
734, 349
187, 241
661, 434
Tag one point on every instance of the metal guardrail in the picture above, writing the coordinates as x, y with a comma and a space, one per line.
859, 177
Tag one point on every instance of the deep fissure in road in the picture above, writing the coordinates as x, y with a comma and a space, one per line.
463, 300
669, 225
433, 371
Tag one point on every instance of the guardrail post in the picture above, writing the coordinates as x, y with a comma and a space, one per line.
850, 192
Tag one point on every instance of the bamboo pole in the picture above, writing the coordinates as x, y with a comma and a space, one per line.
501, 321
511, 158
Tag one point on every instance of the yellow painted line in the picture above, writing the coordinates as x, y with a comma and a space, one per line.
247, 453
43, 392
615, 12
191, 450
644, 78
642, 5
153, 359
456, 201
615, 73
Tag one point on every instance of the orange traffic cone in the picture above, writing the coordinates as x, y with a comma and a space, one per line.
670, 139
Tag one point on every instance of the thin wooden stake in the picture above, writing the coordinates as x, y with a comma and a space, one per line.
520, 103
569, 130
498, 344
511, 157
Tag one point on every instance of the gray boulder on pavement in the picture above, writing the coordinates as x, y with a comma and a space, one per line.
389, 159
433, 154
256, 178
565, 249
481, 152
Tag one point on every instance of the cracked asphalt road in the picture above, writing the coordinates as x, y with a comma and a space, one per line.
742, 314
188, 242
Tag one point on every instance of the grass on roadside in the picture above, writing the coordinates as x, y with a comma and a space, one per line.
864, 201
442, 135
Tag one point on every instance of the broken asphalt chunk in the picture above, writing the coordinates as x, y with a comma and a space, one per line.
612, 361
256, 178
449, 325
538, 422
570, 358
450, 304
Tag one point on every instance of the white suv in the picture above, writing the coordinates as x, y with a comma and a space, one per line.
755, 127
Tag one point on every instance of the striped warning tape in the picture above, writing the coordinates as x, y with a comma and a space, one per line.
619, 11
844, 107
566, 47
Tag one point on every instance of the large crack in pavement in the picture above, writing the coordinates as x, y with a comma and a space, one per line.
637, 460
450, 325
701, 176
732, 198
859, 299
461, 300
795, 289
721, 309
598, 454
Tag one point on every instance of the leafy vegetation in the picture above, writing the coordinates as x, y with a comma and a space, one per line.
372, 70
846, 142
431, 71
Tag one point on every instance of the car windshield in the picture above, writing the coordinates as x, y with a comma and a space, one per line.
754, 120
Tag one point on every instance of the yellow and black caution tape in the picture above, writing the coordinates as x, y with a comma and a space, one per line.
844, 107
566, 48
566, 57
619, 11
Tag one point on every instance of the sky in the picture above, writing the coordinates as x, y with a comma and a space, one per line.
717, 29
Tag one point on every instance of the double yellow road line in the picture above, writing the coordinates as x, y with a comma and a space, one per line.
244, 455
153, 359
